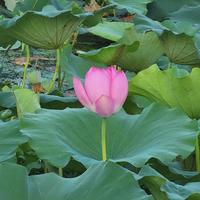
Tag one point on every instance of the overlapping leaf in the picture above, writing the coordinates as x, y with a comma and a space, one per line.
99, 182
173, 87
10, 139
180, 49
35, 28
57, 135
141, 58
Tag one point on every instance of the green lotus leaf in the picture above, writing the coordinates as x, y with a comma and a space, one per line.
10, 139
106, 180
162, 188
97, 15
141, 58
111, 55
132, 6
161, 9
178, 27
31, 5
56, 135
189, 191
110, 30
180, 48
144, 23
48, 29
173, 87
187, 13
8, 100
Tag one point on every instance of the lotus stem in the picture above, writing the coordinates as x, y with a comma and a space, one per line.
45, 167
57, 72
197, 154
60, 171
103, 139
27, 50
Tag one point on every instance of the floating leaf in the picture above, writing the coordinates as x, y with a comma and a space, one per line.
56, 135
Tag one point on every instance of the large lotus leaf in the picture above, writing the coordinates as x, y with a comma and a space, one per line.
10, 138
56, 135
111, 55
142, 58
132, 6
35, 28
180, 48
169, 88
106, 180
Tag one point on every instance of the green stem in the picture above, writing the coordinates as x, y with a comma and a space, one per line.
57, 72
26, 65
60, 171
45, 167
197, 152
103, 139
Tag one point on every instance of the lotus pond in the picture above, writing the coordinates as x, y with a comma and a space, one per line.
99, 100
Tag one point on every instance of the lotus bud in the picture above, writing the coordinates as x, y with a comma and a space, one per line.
104, 91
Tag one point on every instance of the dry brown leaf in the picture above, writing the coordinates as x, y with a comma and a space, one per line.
93, 6
22, 60
37, 88
128, 18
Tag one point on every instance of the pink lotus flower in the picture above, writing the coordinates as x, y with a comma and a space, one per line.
104, 92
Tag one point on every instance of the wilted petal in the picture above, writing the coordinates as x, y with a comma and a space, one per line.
119, 90
81, 93
97, 83
104, 106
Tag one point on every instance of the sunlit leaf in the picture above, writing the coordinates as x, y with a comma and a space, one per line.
173, 87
